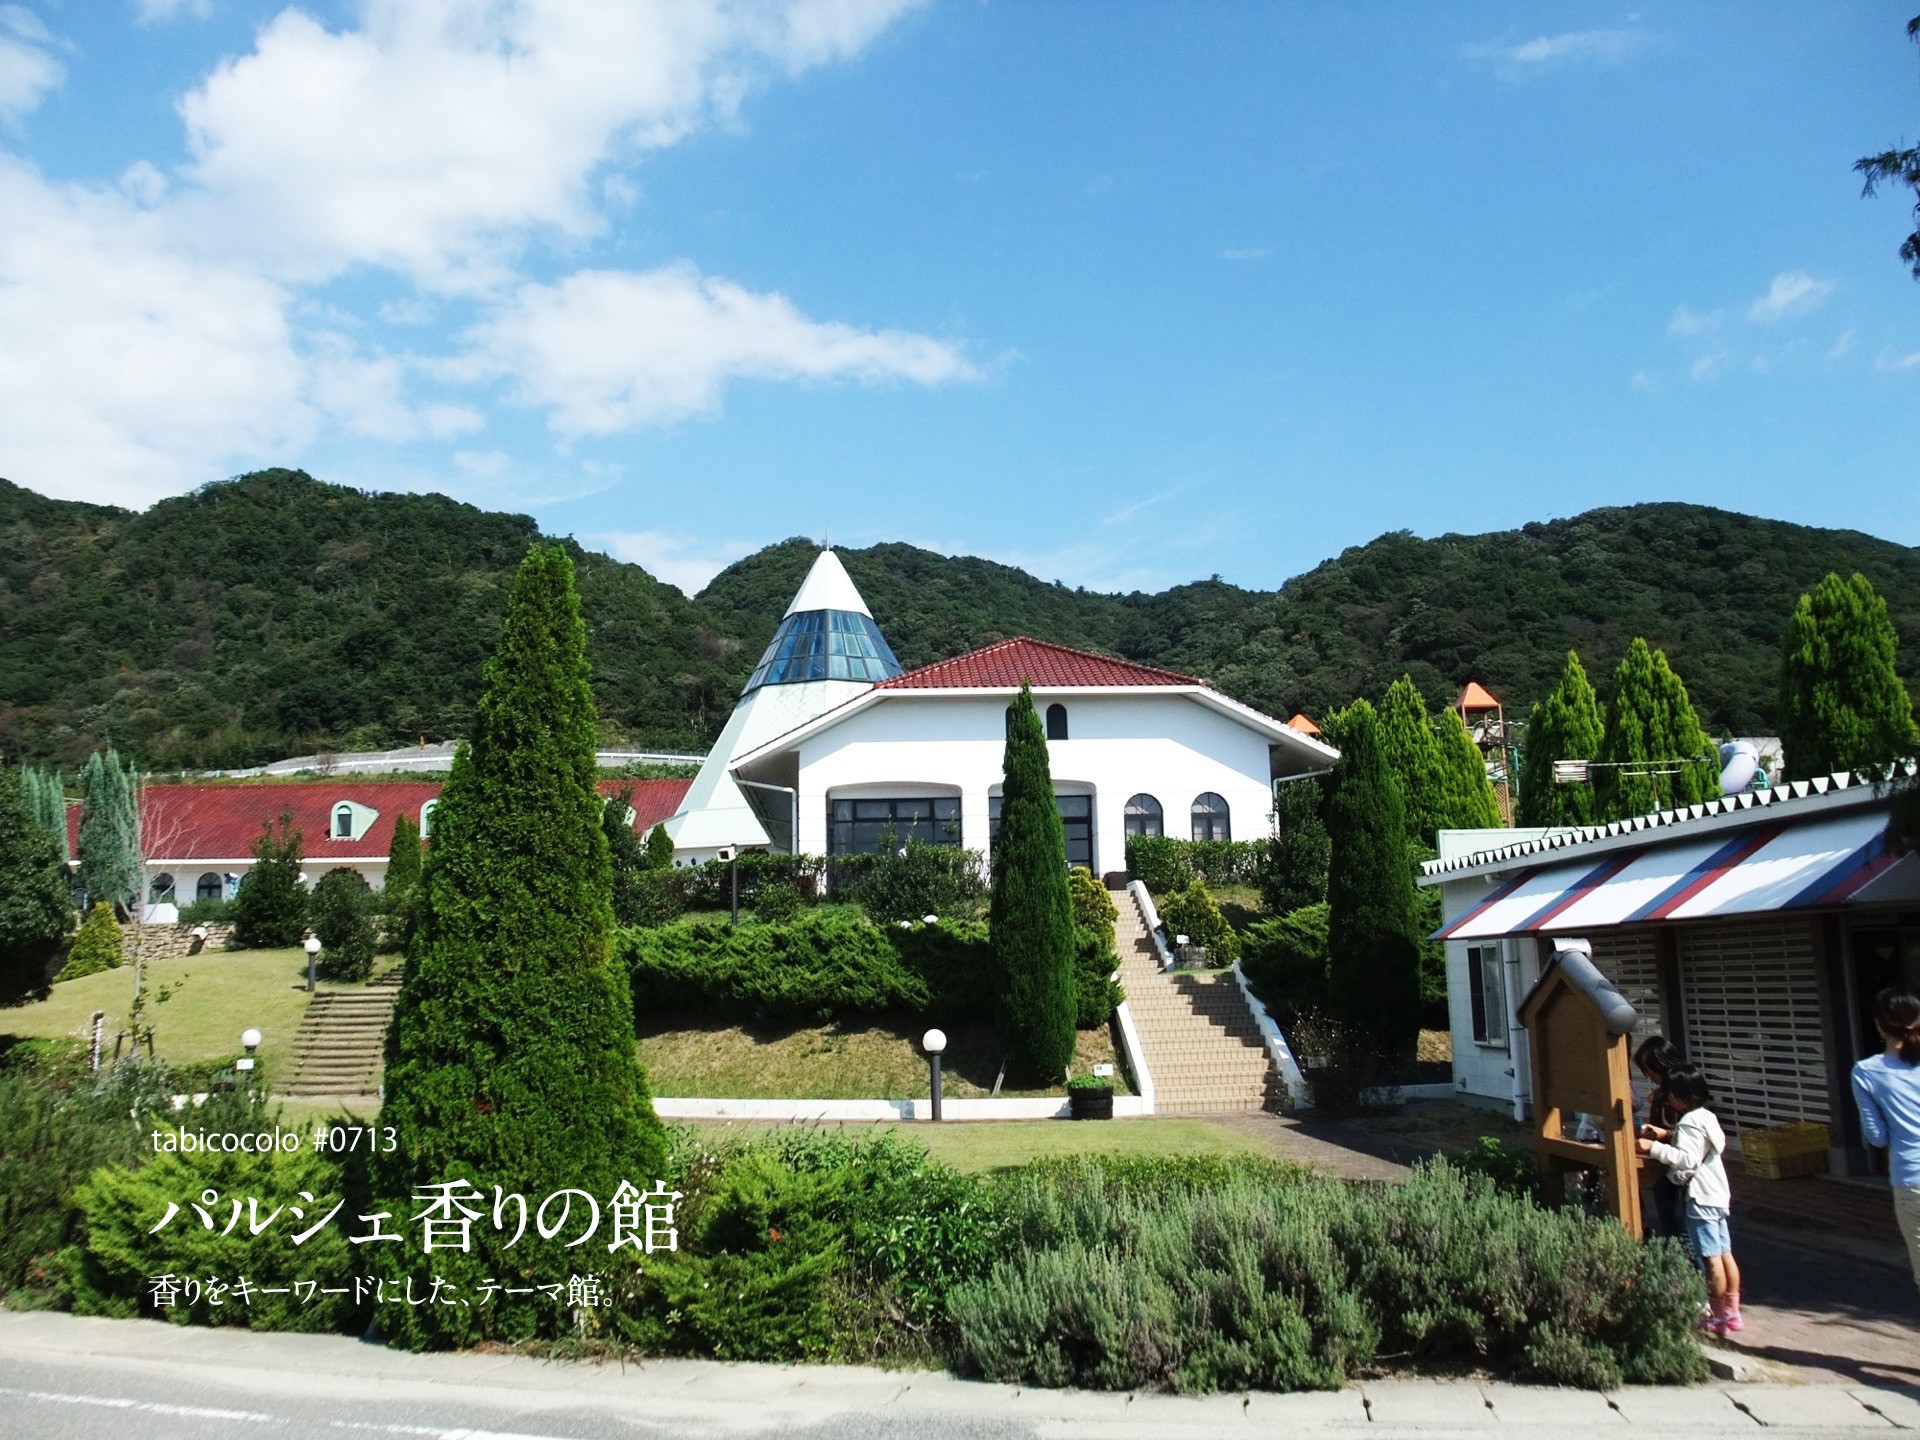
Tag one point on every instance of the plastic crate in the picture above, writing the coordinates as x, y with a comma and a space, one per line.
1785, 1151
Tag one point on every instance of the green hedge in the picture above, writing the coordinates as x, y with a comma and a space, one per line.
1165, 864
1285, 961
821, 965
1252, 1284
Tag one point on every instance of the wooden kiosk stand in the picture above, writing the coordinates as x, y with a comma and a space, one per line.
1577, 1027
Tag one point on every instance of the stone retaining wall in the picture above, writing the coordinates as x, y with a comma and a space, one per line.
172, 942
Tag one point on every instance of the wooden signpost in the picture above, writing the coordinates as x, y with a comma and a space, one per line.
1577, 1027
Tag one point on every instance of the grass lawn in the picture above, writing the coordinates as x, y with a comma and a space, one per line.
213, 997
864, 1059
1008, 1144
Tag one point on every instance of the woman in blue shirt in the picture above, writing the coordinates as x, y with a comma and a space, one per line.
1887, 1089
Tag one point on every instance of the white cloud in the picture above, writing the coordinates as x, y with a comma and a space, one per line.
132, 369
1571, 47
1709, 365
159, 12
28, 69
1688, 321
158, 331
676, 559
1793, 292
439, 135
605, 350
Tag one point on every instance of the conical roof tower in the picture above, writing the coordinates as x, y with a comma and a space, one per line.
826, 651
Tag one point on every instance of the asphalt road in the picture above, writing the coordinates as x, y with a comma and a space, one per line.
63, 1378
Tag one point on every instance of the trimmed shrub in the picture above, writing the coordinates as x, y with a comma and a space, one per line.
818, 966
1285, 961
1032, 912
116, 1257
659, 847
1193, 913
97, 947
338, 910
206, 912
1250, 1283
270, 912
1095, 991
915, 881
777, 900
1093, 907
1165, 864
511, 1060
813, 1245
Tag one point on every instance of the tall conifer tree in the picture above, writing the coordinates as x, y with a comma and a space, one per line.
110, 853
1412, 755
36, 903
1564, 726
511, 1058
1031, 912
1655, 755
1466, 798
1842, 703
47, 799
403, 857
1295, 874
1373, 937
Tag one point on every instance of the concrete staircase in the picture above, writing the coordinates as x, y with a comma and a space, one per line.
1199, 1040
338, 1048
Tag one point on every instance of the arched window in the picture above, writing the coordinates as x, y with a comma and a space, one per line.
426, 818
209, 887
1009, 719
343, 822
1056, 721
161, 891
1210, 818
1143, 815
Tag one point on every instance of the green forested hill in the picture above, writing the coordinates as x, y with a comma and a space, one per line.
275, 614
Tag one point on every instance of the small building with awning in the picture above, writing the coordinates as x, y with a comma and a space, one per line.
1753, 931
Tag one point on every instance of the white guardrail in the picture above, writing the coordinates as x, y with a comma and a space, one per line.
1151, 913
1277, 1048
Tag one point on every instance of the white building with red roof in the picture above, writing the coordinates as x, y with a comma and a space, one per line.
1134, 750
199, 838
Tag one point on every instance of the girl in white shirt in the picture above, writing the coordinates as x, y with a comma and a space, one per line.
1692, 1152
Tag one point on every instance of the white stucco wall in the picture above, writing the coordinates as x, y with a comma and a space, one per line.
1169, 746
186, 873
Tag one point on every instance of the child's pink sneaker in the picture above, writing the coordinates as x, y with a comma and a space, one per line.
1731, 1323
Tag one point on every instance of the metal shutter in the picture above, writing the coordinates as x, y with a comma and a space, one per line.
1627, 958
1751, 998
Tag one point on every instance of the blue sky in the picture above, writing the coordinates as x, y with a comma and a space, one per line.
1126, 294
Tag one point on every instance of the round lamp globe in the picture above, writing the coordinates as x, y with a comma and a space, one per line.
934, 1041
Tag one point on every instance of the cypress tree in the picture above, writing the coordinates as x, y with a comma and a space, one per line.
270, 912
659, 848
1373, 937
1467, 801
1412, 756
1030, 919
1295, 873
97, 947
511, 1059
403, 859
1563, 726
338, 910
1842, 703
36, 903
47, 798
109, 831
1655, 755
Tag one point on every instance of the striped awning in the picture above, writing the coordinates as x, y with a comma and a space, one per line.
1756, 870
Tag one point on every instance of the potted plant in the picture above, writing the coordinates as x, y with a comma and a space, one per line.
1090, 1097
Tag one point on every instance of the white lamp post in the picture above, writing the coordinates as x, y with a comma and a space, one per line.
934, 1042
313, 955
250, 1039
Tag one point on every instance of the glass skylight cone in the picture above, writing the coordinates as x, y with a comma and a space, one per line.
825, 645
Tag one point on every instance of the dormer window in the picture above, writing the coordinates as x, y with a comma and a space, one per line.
426, 818
343, 822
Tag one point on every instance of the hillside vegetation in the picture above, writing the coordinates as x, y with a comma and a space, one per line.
275, 614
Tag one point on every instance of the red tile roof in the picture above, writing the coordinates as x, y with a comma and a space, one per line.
1039, 663
221, 822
